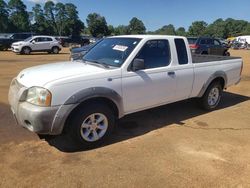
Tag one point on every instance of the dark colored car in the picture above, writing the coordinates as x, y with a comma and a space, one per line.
5, 43
73, 40
78, 53
207, 45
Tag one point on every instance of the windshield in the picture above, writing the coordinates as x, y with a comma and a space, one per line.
26, 40
112, 51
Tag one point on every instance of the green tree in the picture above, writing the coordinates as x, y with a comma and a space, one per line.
41, 25
111, 30
166, 30
217, 29
19, 17
121, 30
246, 30
181, 31
235, 27
136, 26
97, 25
49, 13
74, 26
4, 17
60, 18
197, 28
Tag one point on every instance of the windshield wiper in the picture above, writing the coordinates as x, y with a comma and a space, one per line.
94, 62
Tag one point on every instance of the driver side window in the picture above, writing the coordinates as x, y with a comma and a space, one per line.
155, 53
39, 39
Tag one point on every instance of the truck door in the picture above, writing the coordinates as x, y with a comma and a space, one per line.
153, 85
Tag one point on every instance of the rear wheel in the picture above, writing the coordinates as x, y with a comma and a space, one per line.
204, 53
226, 53
26, 50
91, 125
212, 96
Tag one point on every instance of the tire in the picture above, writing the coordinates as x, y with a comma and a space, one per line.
226, 53
83, 126
55, 50
211, 97
204, 53
25, 50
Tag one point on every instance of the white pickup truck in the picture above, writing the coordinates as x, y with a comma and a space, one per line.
119, 76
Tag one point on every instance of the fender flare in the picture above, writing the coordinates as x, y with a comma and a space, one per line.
218, 74
96, 92
72, 102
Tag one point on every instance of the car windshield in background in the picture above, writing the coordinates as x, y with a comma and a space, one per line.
112, 51
26, 40
191, 40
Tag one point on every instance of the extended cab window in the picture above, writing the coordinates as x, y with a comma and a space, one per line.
181, 51
155, 53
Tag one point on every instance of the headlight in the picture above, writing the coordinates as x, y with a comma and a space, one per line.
39, 96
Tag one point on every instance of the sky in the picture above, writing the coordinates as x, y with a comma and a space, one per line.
157, 13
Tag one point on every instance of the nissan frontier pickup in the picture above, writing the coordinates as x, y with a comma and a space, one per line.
119, 76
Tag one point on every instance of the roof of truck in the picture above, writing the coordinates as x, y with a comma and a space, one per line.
147, 36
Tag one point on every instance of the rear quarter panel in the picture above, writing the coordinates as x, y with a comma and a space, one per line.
203, 71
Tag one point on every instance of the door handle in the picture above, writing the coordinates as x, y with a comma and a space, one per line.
171, 73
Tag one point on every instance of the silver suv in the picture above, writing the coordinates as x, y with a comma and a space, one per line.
37, 44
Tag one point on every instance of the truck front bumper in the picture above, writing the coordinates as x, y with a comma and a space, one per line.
38, 119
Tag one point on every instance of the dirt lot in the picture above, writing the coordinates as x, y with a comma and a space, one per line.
177, 145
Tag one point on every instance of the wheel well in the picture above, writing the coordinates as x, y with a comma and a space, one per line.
26, 47
220, 80
55, 47
99, 100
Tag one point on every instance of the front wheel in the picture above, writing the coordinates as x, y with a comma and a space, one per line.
226, 53
211, 97
91, 124
26, 50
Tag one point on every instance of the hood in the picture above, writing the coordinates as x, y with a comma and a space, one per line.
43, 74
17, 43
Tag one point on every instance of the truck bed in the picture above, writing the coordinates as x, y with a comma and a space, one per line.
208, 58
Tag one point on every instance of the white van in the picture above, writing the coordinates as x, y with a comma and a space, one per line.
243, 39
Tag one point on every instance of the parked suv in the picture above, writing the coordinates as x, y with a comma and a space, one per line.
78, 53
37, 44
207, 45
5, 43
74, 40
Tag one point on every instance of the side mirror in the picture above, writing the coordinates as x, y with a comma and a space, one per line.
137, 64
33, 42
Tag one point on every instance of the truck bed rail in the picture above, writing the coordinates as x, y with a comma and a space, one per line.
208, 58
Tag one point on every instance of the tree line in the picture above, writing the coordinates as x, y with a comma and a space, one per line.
63, 20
